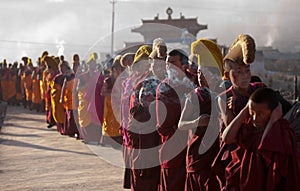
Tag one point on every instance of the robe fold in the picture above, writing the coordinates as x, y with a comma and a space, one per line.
271, 163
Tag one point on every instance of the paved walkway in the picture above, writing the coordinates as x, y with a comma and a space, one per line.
35, 158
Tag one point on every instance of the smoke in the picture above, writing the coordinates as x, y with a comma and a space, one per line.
287, 19
271, 23
60, 47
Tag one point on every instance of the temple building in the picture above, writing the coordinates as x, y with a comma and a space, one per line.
153, 28
173, 30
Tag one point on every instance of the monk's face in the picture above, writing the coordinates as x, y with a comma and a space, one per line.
162, 51
240, 75
158, 68
174, 61
260, 113
174, 64
127, 62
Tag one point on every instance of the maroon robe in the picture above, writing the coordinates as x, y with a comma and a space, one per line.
128, 87
269, 164
144, 140
172, 153
199, 173
223, 158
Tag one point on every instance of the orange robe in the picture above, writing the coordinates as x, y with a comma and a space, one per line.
110, 125
69, 96
48, 76
36, 92
57, 107
27, 82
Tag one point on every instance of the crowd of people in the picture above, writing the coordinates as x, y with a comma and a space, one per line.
183, 122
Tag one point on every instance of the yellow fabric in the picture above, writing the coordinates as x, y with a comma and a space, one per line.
69, 96
42, 89
110, 125
142, 53
208, 54
36, 92
57, 107
27, 82
43, 85
22, 85
48, 76
84, 117
92, 59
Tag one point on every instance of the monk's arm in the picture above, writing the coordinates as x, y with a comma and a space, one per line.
231, 131
186, 123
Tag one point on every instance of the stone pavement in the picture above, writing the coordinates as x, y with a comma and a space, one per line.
35, 158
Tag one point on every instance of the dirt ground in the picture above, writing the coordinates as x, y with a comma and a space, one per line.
33, 157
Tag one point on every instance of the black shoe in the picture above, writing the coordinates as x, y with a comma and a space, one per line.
50, 125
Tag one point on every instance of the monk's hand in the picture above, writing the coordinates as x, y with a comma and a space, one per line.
230, 102
276, 114
245, 112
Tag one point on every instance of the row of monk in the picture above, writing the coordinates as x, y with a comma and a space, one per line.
198, 122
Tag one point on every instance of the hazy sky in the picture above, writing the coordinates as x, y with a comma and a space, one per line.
29, 27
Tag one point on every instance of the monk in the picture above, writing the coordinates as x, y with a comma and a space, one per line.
111, 134
59, 113
237, 67
66, 98
142, 132
135, 74
170, 96
48, 78
27, 83
195, 117
36, 91
144, 138
232, 100
270, 160
89, 99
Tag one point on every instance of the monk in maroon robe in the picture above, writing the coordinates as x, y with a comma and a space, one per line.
144, 137
195, 118
170, 97
270, 159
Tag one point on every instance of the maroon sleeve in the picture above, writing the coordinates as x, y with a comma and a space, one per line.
279, 150
247, 138
167, 114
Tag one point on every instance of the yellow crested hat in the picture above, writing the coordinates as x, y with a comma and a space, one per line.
208, 53
142, 53
92, 59
242, 50
29, 61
